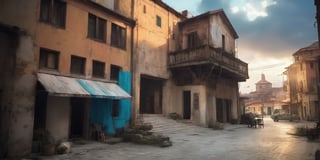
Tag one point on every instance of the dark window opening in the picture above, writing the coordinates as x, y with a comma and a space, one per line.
49, 59
311, 65
223, 42
144, 9
77, 65
40, 107
77, 117
115, 108
186, 104
192, 39
158, 21
114, 73
118, 36
98, 69
96, 28
150, 95
53, 12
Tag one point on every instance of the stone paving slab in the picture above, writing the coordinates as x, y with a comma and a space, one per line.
192, 142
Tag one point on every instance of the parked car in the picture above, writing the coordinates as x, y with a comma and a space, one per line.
284, 116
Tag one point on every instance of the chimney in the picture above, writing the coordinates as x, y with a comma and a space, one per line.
185, 13
263, 77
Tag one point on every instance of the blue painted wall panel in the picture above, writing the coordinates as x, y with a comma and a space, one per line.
101, 113
125, 105
101, 109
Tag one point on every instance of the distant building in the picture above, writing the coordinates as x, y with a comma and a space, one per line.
266, 98
303, 77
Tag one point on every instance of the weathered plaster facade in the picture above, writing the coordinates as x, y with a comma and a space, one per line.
151, 46
22, 35
303, 77
159, 60
17, 30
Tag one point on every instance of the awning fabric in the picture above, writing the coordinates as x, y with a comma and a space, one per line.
73, 87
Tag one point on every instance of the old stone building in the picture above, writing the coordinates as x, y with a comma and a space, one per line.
66, 65
303, 77
155, 35
185, 65
70, 64
266, 98
205, 71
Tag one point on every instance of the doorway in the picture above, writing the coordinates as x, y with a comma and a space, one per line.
219, 110
77, 117
150, 95
186, 104
269, 110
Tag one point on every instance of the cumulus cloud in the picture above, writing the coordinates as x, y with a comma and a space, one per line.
253, 9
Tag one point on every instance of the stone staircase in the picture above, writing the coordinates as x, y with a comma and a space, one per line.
164, 125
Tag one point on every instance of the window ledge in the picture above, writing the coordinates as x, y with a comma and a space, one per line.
78, 75
53, 25
124, 49
48, 70
97, 40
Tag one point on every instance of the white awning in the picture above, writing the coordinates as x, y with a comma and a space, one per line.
73, 87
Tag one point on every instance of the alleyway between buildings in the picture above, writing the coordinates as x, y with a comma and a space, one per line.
190, 142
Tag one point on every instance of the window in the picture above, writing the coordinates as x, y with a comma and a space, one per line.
114, 73
311, 65
77, 65
96, 28
53, 12
118, 36
115, 108
98, 69
144, 9
223, 39
158, 21
48, 59
192, 39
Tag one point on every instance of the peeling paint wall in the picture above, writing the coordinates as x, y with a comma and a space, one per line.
18, 79
217, 29
173, 101
17, 94
206, 114
152, 44
200, 26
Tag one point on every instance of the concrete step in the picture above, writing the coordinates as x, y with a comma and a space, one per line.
162, 124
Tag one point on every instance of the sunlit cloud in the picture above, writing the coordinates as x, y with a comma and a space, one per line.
253, 9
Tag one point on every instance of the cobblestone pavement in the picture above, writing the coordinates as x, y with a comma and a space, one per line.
190, 142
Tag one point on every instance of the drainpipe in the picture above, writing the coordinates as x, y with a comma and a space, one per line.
133, 110
317, 4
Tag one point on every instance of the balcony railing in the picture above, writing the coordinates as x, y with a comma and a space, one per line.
207, 54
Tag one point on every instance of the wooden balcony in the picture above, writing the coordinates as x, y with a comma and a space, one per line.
208, 55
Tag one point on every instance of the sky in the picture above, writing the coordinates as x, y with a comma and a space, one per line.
270, 31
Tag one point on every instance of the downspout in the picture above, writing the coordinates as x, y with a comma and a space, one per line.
133, 111
317, 4
208, 41
168, 46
